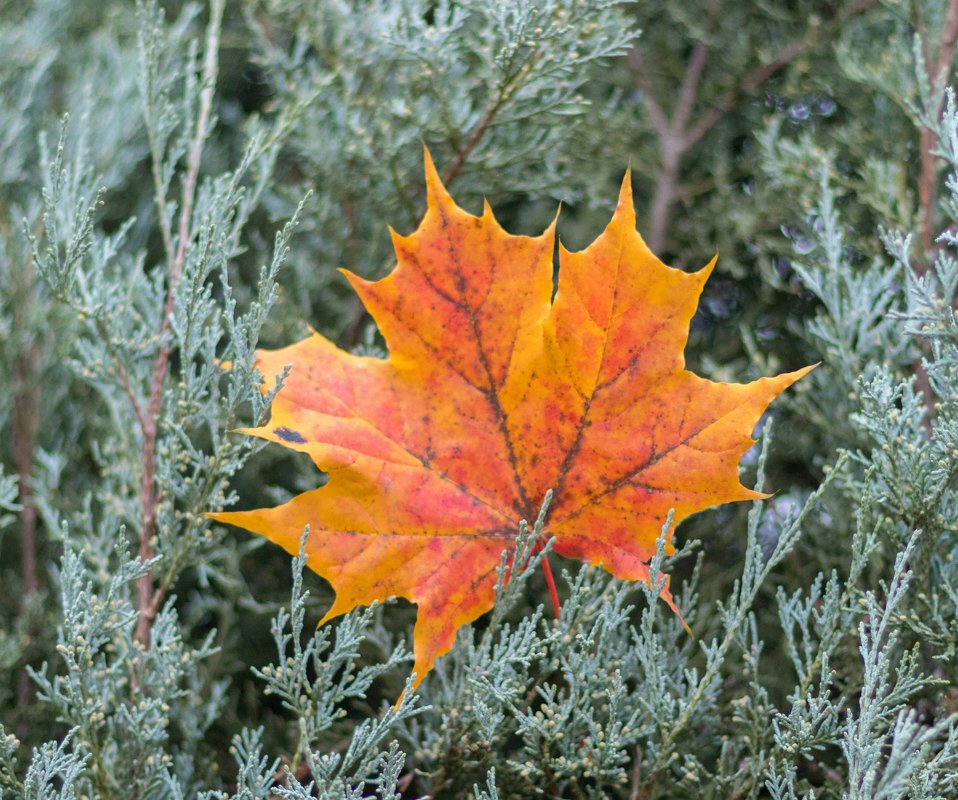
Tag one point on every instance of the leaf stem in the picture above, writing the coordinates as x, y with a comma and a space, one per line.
551, 584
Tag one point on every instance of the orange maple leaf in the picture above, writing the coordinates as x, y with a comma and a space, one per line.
493, 394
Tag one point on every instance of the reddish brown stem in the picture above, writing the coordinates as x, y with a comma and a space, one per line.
25, 428
928, 181
928, 177
24, 446
551, 584
505, 93
149, 600
469, 146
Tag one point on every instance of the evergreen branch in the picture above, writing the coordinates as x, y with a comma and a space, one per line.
508, 88
743, 600
147, 601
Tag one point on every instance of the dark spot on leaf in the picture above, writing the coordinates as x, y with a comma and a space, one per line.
288, 435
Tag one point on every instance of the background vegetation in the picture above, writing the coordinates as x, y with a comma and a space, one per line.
178, 185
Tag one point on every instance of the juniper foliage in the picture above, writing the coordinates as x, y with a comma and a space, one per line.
178, 185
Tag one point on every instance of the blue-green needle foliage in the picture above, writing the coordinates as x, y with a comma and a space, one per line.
179, 183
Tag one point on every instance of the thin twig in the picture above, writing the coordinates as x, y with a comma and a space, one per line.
148, 601
122, 374
691, 80
655, 111
466, 150
928, 183
131, 396
666, 190
25, 426
928, 138
506, 91
672, 136
26, 422
635, 775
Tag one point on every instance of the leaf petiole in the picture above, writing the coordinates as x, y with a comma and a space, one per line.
551, 584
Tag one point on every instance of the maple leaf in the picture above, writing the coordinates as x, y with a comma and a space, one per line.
493, 394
